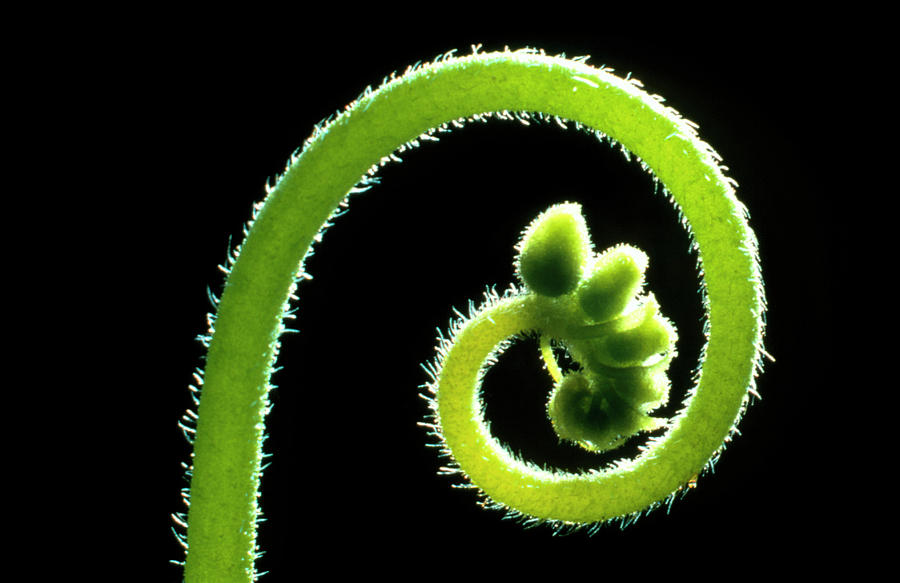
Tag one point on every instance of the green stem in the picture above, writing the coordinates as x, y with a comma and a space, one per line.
227, 448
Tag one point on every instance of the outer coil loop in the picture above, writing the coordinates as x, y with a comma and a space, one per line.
227, 447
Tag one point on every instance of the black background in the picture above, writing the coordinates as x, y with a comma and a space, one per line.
211, 111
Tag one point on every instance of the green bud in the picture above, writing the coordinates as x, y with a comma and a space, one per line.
616, 278
643, 388
553, 251
586, 410
633, 347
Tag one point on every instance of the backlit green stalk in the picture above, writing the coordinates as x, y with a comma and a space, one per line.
227, 448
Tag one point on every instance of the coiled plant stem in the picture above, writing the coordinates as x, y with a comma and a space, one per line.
227, 448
